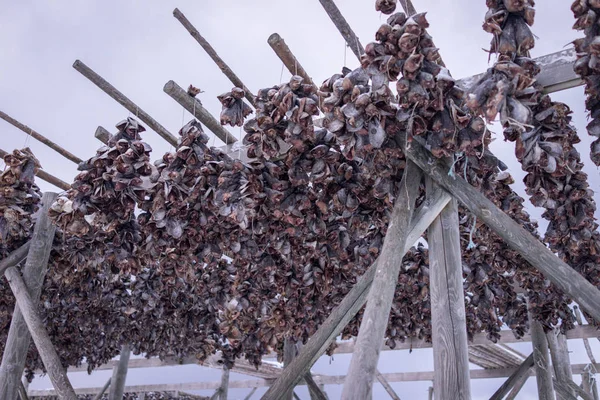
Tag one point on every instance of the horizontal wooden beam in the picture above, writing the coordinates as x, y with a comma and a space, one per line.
123, 100
578, 369
556, 72
43, 175
41, 138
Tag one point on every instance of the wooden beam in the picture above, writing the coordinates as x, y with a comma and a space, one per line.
559, 352
289, 353
388, 388
194, 106
45, 176
515, 378
336, 322
224, 388
249, 396
543, 371
564, 391
41, 138
449, 327
514, 235
34, 272
363, 365
517, 388
23, 392
314, 390
46, 350
119, 375
228, 72
14, 258
124, 101
102, 135
430, 393
342, 25
101, 393
287, 58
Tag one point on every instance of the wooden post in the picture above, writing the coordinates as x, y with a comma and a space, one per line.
249, 396
14, 258
342, 25
449, 329
363, 366
119, 376
23, 392
48, 354
342, 314
106, 385
194, 106
45, 176
543, 373
124, 101
430, 397
224, 384
559, 352
289, 353
315, 392
514, 379
514, 235
213, 54
65, 153
287, 57
102, 135
388, 388
34, 272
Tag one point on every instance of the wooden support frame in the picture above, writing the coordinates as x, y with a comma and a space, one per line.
123, 100
194, 107
342, 25
363, 366
224, 389
287, 58
102, 135
541, 359
559, 353
41, 138
104, 388
119, 375
43, 175
514, 379
34, 272
386, 385
228, 72
15, 257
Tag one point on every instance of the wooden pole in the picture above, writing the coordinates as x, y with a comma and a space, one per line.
49, 356
45, 176
563, 391
14, 258
315, 392
213, 54
23, 392
289, 353
514, 379
559, 352
342, 25
430, 397
194, 106
287, 57
543, 373
65, 153
363, 366
124, 101
34, 272
106, 385
249, 396
224, 384
119, 376
102, 135
388, 388
449, 328
515, 236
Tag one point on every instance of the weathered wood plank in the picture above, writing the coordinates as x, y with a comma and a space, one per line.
228, 72
106, 385
314, 390
287, 58
41, 138
517, 388
14, 258
559, 352
449, 328
563, 391
102, 134
194, 107
342, 25
43, 175
363, 365
386, 385
23, 392
123, 100
119, 376
516, 377
46, 350
249, 396
34, 272
289, 353
543, 371
515, 236
224, 388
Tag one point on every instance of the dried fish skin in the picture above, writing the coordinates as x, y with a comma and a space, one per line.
234, 109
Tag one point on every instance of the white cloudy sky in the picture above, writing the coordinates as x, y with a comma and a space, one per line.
138, 46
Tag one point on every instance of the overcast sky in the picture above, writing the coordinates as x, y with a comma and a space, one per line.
138, 46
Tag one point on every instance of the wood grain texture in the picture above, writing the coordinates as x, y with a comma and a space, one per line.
342, 25
543, 370
517, 388
315, 392
289, 353
14, 258
119, 375
514, 379
102, 134
287, 58
386, 385
123, 100
514, 235
363, 365
561, 363
46, 350
194, 107
34, 272
448, 318
228, 72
